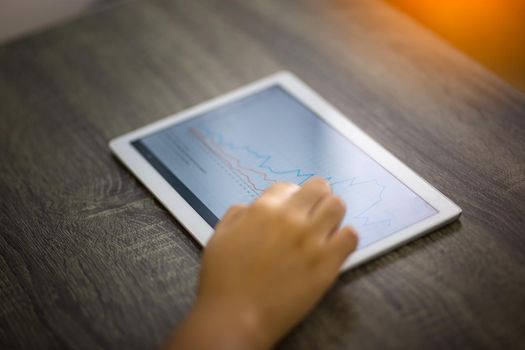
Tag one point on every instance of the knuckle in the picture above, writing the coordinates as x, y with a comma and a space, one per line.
320, 183
317, 180
314, 253
282, 186
289, 185
260, 205
336, 205
259, 211
321, 190
290, 220
287, 217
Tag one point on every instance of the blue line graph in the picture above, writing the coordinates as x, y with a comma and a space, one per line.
217, 137
218, 140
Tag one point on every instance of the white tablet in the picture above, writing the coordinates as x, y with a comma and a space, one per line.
228, 150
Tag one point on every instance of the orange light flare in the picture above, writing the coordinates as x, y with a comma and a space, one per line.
491, 31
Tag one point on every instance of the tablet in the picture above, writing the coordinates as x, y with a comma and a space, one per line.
229, 150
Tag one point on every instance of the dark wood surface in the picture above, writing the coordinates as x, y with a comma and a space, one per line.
89, 260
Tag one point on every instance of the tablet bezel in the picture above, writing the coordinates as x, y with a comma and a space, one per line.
447, 211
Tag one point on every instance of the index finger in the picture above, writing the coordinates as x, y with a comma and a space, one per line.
279, 191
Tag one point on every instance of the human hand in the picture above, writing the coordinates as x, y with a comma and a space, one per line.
266, 266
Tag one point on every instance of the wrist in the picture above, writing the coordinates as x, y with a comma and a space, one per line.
231, 325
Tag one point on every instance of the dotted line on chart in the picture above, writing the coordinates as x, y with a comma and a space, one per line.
233, 175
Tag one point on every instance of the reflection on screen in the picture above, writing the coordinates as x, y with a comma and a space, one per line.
233, 153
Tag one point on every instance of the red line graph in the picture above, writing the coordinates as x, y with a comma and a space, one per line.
216, 149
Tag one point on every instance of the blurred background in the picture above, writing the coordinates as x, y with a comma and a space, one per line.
490, 31
23, 17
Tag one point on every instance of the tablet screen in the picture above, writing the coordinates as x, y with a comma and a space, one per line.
233, 153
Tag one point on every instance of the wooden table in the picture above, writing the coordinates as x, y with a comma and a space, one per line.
89, 260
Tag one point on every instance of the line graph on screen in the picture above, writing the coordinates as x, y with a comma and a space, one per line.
258, 171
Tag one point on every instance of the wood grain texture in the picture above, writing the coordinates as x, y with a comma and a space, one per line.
88, 260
